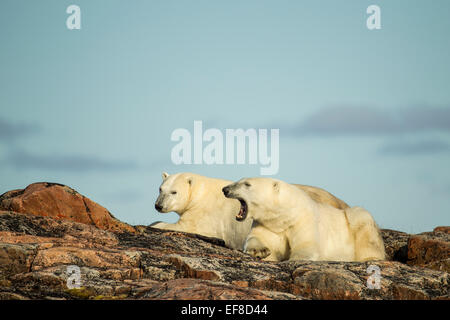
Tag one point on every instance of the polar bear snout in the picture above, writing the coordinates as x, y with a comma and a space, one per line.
158, 207
159, 204
226, 191
229, 191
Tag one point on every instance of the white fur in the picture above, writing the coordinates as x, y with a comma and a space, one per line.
289, 225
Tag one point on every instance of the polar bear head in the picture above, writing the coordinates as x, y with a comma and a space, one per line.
174, 192
260, 198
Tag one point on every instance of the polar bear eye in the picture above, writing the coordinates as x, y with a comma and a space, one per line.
247, 184
160, 190
173, 192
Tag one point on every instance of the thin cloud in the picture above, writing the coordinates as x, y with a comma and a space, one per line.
10, 130
71, 163
348, 120
427, 147
427, 118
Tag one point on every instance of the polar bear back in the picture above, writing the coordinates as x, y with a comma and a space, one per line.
320, 195
336, 241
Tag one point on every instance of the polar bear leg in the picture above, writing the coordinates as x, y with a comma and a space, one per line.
255, 248
165, 226
305, 251
159, 225
264, 244
368, 241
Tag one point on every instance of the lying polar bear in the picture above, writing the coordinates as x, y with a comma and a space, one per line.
204, 210
289, 225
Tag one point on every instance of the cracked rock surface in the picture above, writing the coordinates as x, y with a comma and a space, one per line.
45, 228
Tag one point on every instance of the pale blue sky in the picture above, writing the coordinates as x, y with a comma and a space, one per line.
364, 114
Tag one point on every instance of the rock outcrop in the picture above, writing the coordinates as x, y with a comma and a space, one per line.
43, 231
60, 202
430, 250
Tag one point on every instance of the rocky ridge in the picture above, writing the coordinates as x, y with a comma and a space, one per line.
46, 227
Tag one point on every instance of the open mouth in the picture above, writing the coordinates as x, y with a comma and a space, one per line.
243, 211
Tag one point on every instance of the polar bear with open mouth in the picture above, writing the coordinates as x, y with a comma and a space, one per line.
203, 208
289, 225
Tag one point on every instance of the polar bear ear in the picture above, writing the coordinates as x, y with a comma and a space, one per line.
165, 175
276, 186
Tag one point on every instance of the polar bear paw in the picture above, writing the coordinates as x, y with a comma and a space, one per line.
256, 248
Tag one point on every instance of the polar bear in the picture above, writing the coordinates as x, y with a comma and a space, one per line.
289, 225
203, 209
